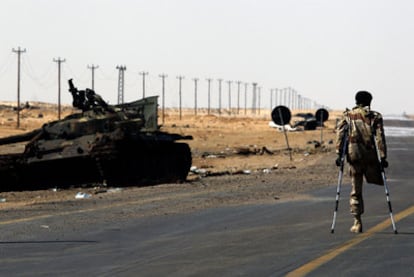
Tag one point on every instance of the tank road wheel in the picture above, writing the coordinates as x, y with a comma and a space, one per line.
172, 162
183, 155
147, 164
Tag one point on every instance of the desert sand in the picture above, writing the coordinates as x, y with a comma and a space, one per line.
237, 159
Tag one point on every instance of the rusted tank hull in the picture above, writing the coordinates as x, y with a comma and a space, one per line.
116, 164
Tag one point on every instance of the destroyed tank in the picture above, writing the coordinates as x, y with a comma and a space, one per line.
117, 145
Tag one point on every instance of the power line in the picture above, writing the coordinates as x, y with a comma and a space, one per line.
5, 64
18, 52
105, 75
282, 96
45, 80
59, 61
84, 77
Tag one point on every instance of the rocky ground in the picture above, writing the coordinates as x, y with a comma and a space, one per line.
237, 160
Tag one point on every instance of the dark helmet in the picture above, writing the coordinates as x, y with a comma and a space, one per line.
363, 98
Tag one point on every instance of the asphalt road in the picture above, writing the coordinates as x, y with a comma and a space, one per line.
286, 238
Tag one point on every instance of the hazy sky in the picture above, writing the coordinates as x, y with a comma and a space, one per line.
326, 50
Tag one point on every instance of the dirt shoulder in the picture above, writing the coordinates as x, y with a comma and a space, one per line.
259, 187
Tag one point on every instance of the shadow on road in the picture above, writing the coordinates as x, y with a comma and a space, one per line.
46, 241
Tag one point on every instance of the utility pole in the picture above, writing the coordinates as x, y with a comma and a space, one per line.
238, 96
195, 95
19, 52
245, 98
59, 61
229, 83
259, 92
285, 96
219, 108
180, 78
121, 83
208, 92
254, 98
276, 98
92, 68
163, 76
143, 82
294, 102
271, 99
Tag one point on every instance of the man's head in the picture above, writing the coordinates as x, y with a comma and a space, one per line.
363, 98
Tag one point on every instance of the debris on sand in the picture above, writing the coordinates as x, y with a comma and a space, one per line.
82, 195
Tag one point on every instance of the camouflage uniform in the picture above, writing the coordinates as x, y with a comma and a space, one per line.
361, 154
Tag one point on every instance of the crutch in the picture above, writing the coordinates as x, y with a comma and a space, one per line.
384, 178
340, 176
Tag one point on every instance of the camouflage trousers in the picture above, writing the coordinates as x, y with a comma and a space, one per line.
372, 174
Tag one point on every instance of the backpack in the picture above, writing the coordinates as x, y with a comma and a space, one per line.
361, 147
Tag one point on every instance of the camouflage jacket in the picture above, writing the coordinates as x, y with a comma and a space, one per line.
361, 122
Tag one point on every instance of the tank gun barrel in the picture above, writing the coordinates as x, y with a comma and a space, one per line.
20, 138
71, 86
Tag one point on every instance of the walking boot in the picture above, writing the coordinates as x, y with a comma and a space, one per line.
357, 227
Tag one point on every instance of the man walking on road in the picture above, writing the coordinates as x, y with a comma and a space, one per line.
361, 124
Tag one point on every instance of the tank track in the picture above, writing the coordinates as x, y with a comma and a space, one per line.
115, 164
